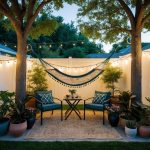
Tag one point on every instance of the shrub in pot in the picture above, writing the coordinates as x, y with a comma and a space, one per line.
18, 123
6, 98
131, 128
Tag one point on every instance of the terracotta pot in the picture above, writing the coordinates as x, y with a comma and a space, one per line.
130, 132
122, 122
31, 103
144, 131
17, 129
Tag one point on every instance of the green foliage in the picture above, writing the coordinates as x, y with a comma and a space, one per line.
125, 97
67, 34
144, 114
110, 76
109, 21
36, 79
44, 25
47, 53
18, 112
75, 52
131, 124
72, 91
80, 145
6, 100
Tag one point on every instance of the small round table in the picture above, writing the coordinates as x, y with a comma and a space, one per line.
72, 103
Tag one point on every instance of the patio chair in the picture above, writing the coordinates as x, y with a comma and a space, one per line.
99, 102
45, 102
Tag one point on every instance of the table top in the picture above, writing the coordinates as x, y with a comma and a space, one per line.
69, 97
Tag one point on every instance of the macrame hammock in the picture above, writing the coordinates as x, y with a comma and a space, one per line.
75, 80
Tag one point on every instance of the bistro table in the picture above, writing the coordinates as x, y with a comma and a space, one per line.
72, 103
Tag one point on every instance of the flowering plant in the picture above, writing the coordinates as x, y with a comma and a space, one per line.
113, 109
30, 112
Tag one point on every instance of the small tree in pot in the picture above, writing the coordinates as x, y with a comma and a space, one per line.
110, 76
36, 81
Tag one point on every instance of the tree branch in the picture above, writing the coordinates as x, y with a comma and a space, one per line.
31, 17
128, 12
16, 9
5, 10
145, 18
146, 3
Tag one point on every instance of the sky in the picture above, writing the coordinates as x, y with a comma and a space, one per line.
69, 13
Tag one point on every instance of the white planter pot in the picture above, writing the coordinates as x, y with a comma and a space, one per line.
130, 132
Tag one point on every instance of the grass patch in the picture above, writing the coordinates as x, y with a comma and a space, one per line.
80, 107
74, 145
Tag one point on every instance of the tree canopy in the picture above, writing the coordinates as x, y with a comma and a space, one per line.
113, 20
57, 40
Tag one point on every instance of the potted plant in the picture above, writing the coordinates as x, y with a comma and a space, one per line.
30, 115
113, 115
131, 128
18, 123
110, 76
72, 92
144, 123
6, 99
125, 111
36, 81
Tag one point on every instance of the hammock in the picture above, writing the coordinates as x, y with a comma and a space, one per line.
75, 80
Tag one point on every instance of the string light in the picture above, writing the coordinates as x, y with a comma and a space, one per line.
48, 44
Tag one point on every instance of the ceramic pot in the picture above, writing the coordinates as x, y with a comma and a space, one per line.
113, 119
122, 122
30, 122
4, 125
17, 129
130, 132
144, 131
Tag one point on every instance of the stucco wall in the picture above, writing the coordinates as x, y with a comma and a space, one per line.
7, 75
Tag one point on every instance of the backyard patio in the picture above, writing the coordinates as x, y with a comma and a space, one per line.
74, 74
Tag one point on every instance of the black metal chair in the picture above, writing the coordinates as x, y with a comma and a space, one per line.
99, 102
45, 102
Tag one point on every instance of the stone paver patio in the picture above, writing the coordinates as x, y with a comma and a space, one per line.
73, 129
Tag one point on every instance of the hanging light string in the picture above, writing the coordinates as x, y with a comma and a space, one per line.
50, 44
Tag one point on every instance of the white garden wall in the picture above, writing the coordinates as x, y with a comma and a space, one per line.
7, 75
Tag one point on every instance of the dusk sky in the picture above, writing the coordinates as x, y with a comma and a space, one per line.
69, 13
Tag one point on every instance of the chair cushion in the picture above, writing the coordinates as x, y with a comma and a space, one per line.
95, 106
47, 107
45, 97
101, 97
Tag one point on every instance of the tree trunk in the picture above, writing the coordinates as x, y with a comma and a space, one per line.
136, 64
21, 67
